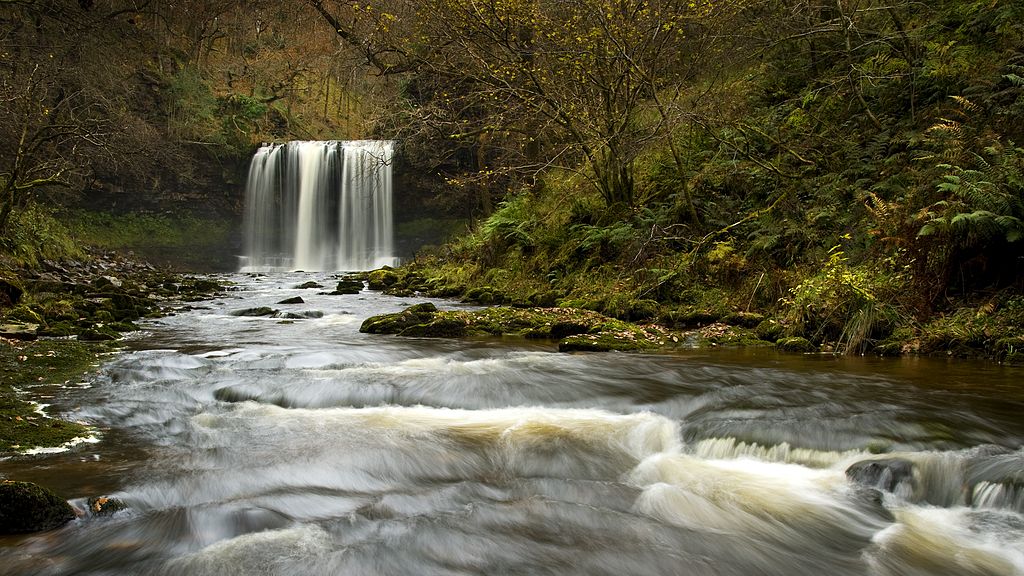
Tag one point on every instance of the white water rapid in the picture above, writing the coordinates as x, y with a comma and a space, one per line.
292, 444
319, 206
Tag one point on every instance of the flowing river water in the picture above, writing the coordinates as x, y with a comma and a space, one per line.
250, 446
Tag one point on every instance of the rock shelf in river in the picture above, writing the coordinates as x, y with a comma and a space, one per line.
576, 330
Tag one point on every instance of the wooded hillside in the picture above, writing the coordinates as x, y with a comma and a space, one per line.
850, 168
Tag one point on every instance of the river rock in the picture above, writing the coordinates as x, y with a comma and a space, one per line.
309, 285
381, 279
20, 331
400, 321
260, 311
104, 506
795, 344
349, 287
884, 474
98, 334
28, 507
298, 315
293, 300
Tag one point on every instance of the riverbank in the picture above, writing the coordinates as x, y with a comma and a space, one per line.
57, 320
988, 329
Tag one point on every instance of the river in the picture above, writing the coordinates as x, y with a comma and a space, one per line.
252, 445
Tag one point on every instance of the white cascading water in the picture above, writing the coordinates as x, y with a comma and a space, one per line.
319, 206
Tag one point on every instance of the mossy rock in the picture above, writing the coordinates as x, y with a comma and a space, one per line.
795, 344
59, 329
770, 330
203, 285
547, 299
485, 295
98, 334
400, 292
123, 326
640, 310
103, 316
690, 317
382, 278
603, 342
437, 328
20, 331
743, 319
560, 330
309, 285
349, 287
27, 507
446, 291
399, 321
23, 314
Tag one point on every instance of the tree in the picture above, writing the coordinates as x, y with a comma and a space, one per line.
582, 75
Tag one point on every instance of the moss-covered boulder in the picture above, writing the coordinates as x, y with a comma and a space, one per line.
382, 278
690, 317
398, 322
770, 330
607, 341
28, 507
795, 344
347, 286
98, 334
577, 329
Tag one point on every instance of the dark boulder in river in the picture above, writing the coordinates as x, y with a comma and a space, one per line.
28, 507
884, 474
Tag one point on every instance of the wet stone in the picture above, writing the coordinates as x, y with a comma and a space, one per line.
28, 507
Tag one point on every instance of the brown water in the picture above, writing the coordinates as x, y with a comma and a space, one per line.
247, 446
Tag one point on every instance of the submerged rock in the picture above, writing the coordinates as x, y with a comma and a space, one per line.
884, 474
28, 507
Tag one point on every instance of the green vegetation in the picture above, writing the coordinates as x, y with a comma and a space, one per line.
848, 174
34, 235
30, 367
859, 184
179, 240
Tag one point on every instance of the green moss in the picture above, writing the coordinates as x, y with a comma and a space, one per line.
795, 344
29, 366
606, 341
382, 278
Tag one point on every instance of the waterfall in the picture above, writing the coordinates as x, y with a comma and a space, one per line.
319, 206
